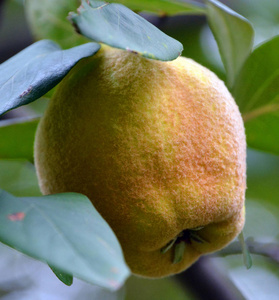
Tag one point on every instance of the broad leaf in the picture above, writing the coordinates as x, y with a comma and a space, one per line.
48, 20
35, 70
164, 7
257, 94
119, 27
65, 231
19, 178
234, 36
17, 138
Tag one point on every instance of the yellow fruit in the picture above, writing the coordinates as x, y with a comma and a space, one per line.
158, 147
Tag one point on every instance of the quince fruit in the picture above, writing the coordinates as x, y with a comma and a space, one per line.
158, 147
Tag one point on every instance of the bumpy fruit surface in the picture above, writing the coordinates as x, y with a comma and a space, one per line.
158, 147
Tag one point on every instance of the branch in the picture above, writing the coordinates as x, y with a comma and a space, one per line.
207, 282
270, 250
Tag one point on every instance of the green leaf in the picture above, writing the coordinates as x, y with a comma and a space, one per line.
119, 27
66, 232
164, 7
17, 138
48, 20
62, 276
234, 36
19, 178
35, 70
256, 92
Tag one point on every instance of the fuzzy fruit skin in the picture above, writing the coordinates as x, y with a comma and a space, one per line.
158, 147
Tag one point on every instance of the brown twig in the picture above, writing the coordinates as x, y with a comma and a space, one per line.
270, 250
207, 282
